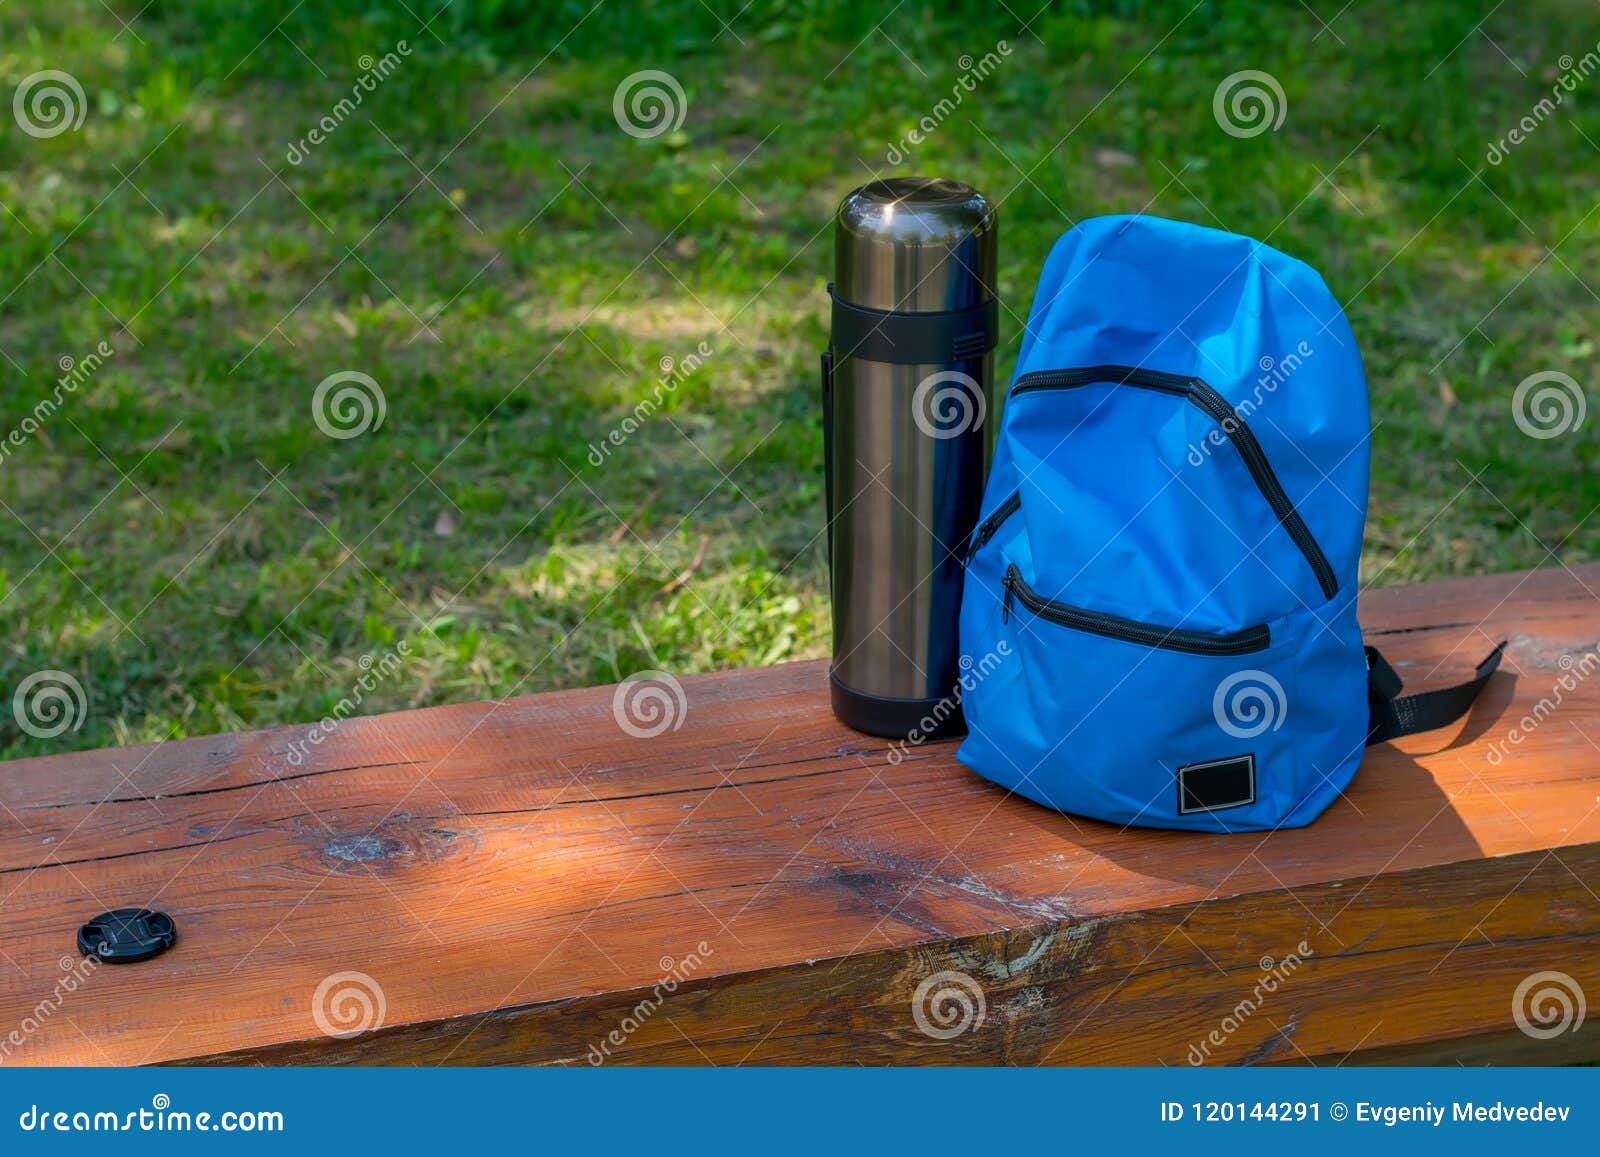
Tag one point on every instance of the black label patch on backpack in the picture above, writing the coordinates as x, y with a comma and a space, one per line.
1217, 785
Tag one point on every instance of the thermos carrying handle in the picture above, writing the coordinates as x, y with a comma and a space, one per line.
827, 447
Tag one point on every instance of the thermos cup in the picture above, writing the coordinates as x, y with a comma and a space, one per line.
906, 388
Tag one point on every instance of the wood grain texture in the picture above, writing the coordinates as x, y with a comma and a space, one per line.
519, 878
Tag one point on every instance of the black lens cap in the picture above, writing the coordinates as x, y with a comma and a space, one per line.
127, 935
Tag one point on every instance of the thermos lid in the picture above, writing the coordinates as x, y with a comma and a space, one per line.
916, 244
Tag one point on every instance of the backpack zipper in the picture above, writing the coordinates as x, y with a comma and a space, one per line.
1205, 398
1175, 384
986, 528
1243, 642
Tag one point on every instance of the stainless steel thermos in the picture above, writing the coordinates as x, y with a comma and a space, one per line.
907, 387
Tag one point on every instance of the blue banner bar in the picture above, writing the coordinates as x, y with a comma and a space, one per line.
755, 1111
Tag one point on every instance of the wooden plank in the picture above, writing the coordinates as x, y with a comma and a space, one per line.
522, 879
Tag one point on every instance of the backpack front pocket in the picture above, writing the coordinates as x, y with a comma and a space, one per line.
1127, 720
1149, 721
1244, 642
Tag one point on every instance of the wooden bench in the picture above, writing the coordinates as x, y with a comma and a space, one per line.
521, 881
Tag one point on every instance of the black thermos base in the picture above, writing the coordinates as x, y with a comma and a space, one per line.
918, 719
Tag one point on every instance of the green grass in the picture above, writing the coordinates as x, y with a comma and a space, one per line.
183, 540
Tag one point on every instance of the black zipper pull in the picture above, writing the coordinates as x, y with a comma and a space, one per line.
1009, 582
986, 529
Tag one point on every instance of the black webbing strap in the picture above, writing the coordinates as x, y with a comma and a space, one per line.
827, 450
1392, 714
913, 339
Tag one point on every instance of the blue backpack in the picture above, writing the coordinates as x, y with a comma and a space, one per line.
1159, 614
